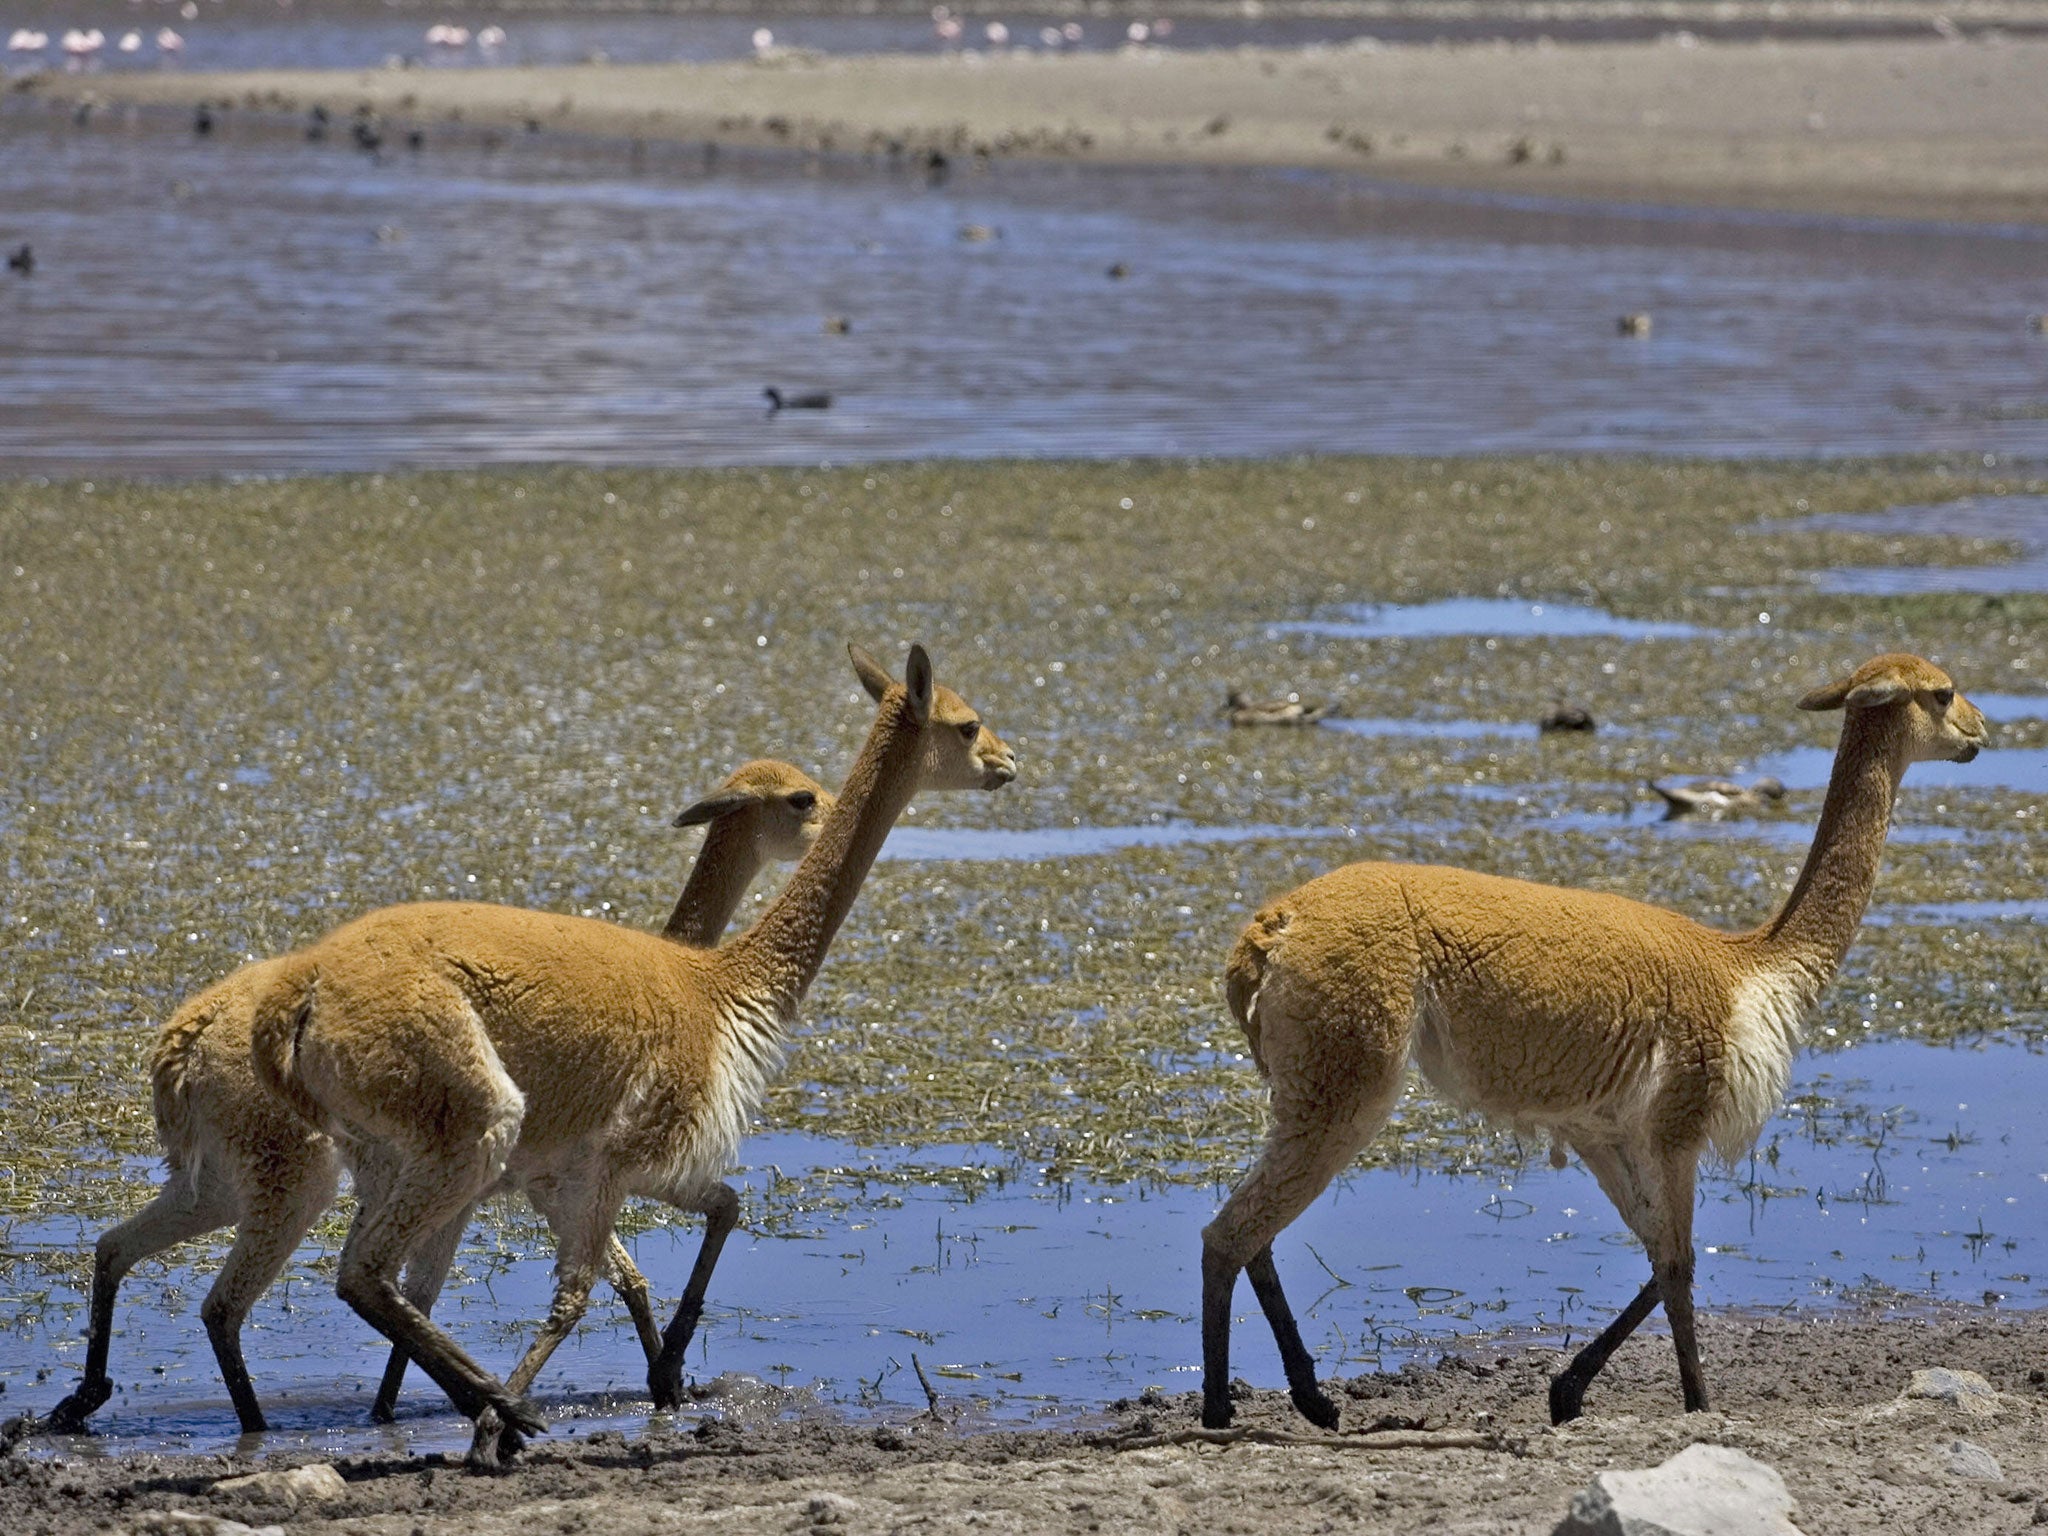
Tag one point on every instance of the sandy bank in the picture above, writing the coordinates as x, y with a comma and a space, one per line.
1878, 127
1821, 1402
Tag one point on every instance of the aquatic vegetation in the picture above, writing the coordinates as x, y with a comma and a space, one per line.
237, 713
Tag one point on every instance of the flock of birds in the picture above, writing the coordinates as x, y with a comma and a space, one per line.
1702, 797
79, 44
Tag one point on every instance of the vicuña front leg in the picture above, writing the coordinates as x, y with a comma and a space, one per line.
1568, 1386
721, 1208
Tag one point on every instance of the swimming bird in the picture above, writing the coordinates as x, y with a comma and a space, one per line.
1288, 711
1568, 717
22, 259
1633, 325
202, 120
811, 400
1717, 797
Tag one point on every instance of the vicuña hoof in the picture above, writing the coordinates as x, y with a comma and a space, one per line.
494, 1444
69, 1416
1317, 1409
665, 1386
1566, 1397
1218, 1415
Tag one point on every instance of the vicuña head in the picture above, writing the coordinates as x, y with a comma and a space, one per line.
1633, 1035
960, 752
579, 1061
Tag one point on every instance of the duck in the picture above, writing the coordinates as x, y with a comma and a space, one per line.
1633, 325
1288, 711
22, 259
812, 400
1717, 797
1568, 717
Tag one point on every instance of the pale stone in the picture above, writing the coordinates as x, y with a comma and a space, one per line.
315, 1484
1705, 1490
1965, 1458
1965, 1389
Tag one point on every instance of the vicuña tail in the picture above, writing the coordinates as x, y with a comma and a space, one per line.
281, 1019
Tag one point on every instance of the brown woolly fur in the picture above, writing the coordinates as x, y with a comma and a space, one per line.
446, 1046
1634, 1035
238, 1156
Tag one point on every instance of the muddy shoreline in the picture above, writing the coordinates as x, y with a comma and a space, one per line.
1820, 1401
1918, 129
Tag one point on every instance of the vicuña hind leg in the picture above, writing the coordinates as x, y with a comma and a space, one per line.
406, 1205
425, 1273
274, 1217
1313, 1140
182, 1209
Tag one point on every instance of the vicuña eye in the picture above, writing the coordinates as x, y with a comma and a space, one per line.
1944, 697
970, 730
803, 800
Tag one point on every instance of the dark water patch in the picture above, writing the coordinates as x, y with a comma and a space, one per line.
1504, 617
415, 310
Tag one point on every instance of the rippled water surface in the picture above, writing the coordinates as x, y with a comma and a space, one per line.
1897, 1170
249, 302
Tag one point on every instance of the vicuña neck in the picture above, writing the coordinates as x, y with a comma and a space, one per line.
1815, 927
779, 956
726, 866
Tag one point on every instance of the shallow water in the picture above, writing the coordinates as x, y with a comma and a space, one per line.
979, 844
1484, 616
2020, 520
2021, 768
252, 303
1034, 1299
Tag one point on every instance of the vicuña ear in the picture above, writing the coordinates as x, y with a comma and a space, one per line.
1833, 696
1869, 695
872, 677
712, 807
1883, 690
917, 677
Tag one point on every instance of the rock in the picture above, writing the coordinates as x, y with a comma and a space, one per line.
315, 1484
184, 1522
832, 1509
1965, 1458
1966, 1389
1705, 1490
